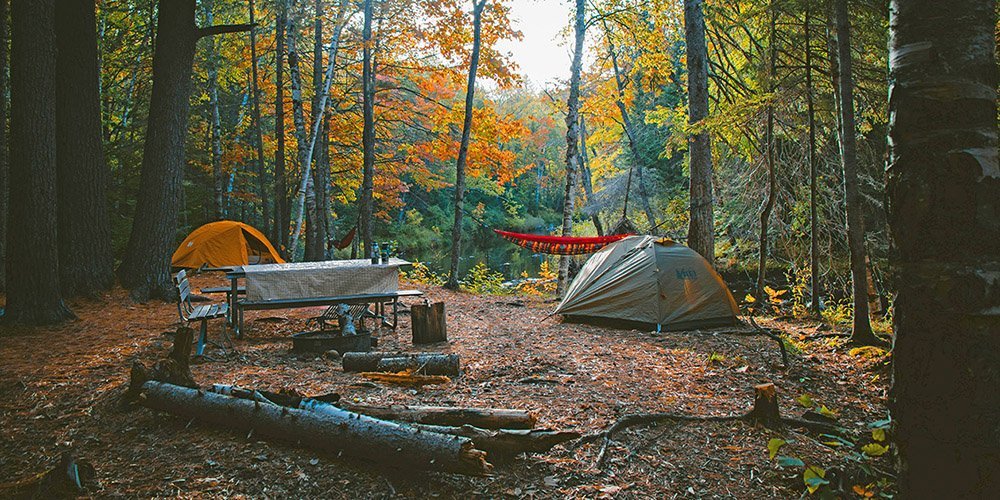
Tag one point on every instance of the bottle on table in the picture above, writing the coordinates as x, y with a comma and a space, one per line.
375, 254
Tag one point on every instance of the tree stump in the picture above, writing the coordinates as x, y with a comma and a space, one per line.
428, 323
765, 406
173, 369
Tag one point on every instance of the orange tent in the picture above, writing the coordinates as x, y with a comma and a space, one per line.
224, 243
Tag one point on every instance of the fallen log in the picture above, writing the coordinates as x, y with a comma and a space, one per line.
343, 432
486, 418
406, 378
426, 363
497, 443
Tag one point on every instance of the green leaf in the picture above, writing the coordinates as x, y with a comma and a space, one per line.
805, 401
879, 424
813, 477
878, 434
773, 446
786, 461
874, 449
836, 439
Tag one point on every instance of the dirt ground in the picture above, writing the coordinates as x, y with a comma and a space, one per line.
59, 389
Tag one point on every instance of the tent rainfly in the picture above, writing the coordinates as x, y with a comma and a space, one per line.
225, 243
650, 280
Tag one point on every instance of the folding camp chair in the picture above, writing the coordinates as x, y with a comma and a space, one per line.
202, 313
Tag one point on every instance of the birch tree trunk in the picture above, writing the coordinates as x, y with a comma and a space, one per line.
862, 330
463, 147
701, 229
305, 186
944, 196
572, 136
315, 224
295, 16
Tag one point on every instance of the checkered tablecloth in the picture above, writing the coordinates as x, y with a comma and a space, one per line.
332, 278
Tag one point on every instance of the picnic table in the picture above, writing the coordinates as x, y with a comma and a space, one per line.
309, 284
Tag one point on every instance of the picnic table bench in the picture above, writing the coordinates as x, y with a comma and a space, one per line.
380, 300
300, 285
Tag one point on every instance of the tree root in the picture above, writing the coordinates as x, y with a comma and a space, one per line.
764, 412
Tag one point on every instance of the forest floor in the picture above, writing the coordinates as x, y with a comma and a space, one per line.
59, 389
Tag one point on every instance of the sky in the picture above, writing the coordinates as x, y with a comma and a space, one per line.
543, 56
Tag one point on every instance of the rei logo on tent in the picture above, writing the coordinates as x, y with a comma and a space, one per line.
686, 274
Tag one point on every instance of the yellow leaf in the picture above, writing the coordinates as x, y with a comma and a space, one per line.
874, 449
773, 446
814, 477
878, 434
826, 412
805, 401
749, 299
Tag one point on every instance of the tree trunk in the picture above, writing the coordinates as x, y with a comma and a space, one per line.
86, 260
332, 429
295, 15
366, 203
258, 134
463, 147
701, 230
585, 178
145, 268
944, 197
306, 193
215, 121
629, 130
33, 294
772, 182
813, 173
486, 418
862, 331
4, 164
315, 224
282, 213
572, 137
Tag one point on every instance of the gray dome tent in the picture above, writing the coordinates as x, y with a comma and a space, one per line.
650, 280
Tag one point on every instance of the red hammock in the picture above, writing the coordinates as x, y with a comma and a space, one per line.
346, 240
559, 245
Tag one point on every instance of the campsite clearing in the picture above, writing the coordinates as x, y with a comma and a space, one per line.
572, 376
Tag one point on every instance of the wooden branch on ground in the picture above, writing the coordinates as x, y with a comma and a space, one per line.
772, 335
486, 418
334, 430
429, 363
765, 412
407, 378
